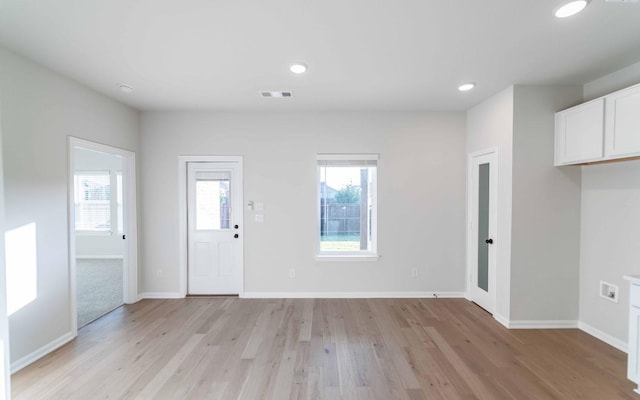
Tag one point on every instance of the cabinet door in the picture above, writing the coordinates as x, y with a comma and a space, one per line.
633, 366
622, 132
579, 133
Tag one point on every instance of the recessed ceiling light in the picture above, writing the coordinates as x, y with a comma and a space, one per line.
570, 8
298, 68
466, 86
125, 88
277, 93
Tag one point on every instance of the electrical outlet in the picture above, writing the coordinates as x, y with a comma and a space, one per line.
259, 218
292, 273
159, 274
414, 272
259, 206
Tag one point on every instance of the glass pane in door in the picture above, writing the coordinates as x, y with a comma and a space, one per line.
212, 203
483, 226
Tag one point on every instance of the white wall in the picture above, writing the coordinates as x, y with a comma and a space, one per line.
610, 242
5, 381
617, 80
98, 245
40, 109
610, 231
538, 205
490, 125
421, 179
545, 244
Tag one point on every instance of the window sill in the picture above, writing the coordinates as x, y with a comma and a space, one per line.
347, 258
93, 233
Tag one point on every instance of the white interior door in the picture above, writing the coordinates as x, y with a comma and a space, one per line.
482, 229
214, 202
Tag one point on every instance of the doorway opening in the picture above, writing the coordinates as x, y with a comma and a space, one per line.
102, 230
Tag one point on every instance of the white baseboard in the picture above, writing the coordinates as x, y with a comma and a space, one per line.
501, 319
542, 324
160, 295
350, 295
605, 337
598, 334
94, 257
41, 352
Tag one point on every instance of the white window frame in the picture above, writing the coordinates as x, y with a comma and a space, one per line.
361, 255
115, 225
89, 232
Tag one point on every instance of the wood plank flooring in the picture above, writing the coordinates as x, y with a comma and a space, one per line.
229, 348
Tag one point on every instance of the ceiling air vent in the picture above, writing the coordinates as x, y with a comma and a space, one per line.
277, 94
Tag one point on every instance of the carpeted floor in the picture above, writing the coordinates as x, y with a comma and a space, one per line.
99, 283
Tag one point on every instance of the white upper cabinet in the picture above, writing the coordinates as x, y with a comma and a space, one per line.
622, 130
579, 133
603, 129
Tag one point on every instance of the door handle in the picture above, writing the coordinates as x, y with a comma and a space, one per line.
236, 236
489, 241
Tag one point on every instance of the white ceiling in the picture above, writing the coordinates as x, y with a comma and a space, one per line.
362, 54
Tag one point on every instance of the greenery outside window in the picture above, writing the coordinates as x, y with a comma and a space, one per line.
347, 209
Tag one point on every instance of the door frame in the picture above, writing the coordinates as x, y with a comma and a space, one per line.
472, 232
183, 238
130, 219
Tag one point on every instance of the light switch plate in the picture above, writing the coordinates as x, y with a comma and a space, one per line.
259, 218
259, 206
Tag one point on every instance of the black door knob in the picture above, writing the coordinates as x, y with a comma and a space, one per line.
236, 236
489, 241
236, 226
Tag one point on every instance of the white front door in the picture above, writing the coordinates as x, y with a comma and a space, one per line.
214, 205
482, 241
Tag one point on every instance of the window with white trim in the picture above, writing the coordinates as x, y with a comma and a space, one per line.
98, 198
347, 209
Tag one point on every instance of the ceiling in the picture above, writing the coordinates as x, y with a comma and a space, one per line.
362, 54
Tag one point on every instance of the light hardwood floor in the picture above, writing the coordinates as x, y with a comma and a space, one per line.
228, 348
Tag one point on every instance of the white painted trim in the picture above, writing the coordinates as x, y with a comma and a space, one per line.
347, 157
347, 258
71, 236
89, 257
605, 337
130, 229
41, 352
182, 214
501, 319
130, 258
373, 253
542, 324
351, 295
161, 295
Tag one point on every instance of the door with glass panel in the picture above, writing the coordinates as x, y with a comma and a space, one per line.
214, 232
482, 229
